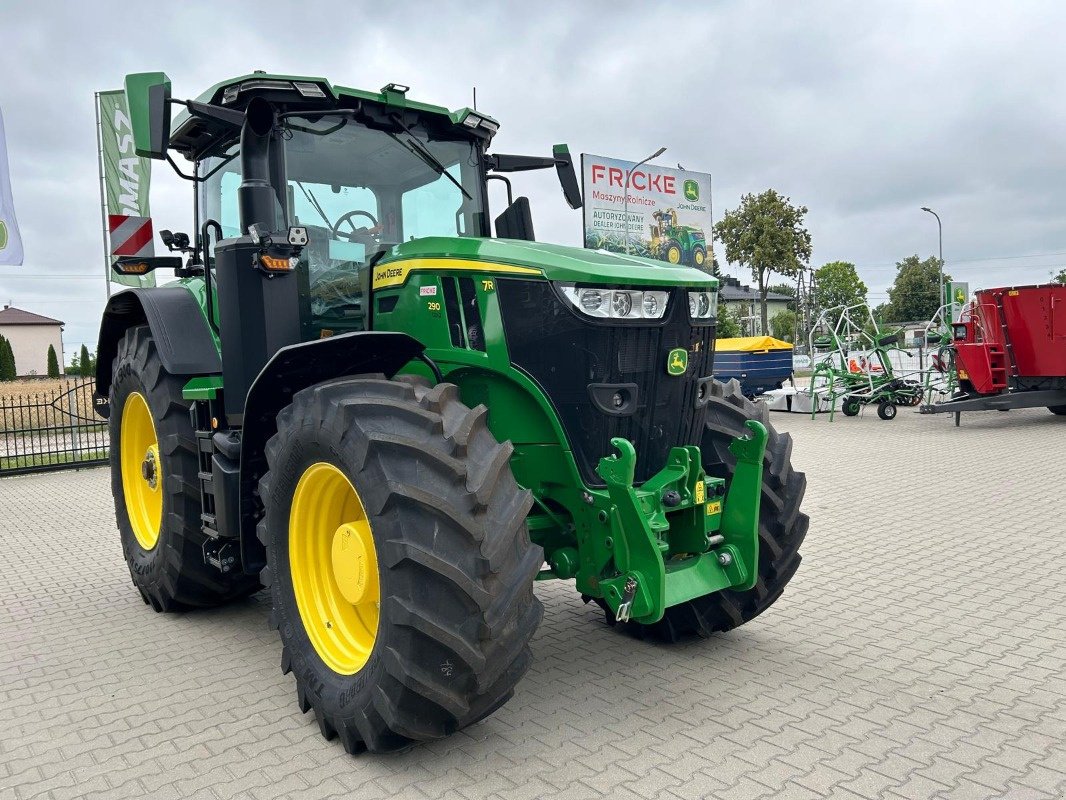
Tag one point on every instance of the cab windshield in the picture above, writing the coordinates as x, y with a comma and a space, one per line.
359, 191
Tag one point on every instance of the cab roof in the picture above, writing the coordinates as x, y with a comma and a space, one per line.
392, 96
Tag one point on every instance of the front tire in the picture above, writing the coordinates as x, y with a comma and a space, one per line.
445, 555
782, 526
699, 257
155, 485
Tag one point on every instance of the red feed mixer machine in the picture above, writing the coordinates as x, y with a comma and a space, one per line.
1010, 351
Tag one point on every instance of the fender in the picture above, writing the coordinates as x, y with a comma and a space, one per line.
291, 369
182, 337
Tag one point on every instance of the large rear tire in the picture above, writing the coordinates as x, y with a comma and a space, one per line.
155, 485
782, 526
429, 632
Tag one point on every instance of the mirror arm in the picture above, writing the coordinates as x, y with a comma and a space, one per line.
227, 116
179, 173
502, 162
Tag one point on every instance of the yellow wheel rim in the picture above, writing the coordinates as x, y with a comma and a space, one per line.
142, 473
699, 257
673, 255
334, 568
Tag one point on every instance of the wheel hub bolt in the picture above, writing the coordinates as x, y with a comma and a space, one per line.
148, 468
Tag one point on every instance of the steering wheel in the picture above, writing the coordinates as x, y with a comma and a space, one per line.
361, 233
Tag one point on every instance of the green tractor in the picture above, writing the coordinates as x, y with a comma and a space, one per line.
355, 396
677, 244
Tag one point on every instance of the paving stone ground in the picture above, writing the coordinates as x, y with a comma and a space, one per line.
919, 652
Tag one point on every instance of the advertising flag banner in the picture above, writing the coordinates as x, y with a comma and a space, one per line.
10, 239
958, 298
126, 178
662, 213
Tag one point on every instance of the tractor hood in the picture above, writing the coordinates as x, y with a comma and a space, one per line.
556, 262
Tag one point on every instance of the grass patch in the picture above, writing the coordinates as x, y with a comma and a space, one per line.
50, 459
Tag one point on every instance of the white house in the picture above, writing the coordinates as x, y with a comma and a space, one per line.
30, 334
732, 293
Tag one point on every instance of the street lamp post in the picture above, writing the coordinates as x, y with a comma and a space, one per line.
625, 189
940, 239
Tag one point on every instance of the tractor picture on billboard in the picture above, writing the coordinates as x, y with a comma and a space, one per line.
667, 216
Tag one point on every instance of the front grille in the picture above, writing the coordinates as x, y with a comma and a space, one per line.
564, 353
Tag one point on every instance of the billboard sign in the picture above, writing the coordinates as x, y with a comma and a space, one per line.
667, 216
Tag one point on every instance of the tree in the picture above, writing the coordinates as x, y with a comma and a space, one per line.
787, 289
53, 363
86, 361
1060, 278
766, 234
783, 326
838, 284
728, 322
7, 360
915, 294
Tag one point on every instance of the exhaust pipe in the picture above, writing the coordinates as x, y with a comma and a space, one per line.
255, 196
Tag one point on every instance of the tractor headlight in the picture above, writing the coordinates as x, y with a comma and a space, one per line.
703, 305
616, 303
593, 302
654, 304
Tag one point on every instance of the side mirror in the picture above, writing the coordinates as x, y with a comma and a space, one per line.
148, 98
564, 168
516, 221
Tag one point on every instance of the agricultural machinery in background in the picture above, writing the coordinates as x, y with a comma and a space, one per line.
853, 365
938, 376
357, 397
677, 244
1009, 351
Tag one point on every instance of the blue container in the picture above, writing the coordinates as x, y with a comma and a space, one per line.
760, 363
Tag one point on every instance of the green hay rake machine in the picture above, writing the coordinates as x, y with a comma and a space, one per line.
355, 396
855, 368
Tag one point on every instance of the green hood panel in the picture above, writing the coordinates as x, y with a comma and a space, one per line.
558, 262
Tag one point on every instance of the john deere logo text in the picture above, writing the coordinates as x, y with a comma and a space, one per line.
692, 191
677, 361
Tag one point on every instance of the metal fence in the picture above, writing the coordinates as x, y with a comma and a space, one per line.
50, 428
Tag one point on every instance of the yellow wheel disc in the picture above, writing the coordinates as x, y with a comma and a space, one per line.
142, 471
699, 258
334, 568
673, 255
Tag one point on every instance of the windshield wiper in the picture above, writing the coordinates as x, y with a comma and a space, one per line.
316, 205
427, 157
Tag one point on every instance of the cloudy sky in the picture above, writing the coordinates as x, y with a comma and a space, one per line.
863, 112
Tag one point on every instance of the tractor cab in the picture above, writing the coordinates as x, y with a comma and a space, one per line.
358, 190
